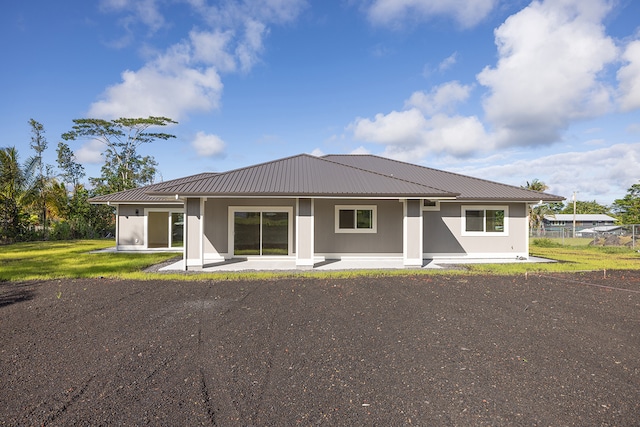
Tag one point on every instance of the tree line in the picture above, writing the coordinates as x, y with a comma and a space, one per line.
626, 210
39, 201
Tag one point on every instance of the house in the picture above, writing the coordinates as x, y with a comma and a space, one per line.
313, 209
587, 223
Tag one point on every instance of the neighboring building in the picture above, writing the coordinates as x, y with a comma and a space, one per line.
585, 223
312, 209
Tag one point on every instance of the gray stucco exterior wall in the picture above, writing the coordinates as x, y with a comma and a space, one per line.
193, 232
387, 239
131, 225
412, 252
216, 226
442, 233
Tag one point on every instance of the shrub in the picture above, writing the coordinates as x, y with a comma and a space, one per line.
545, 242
61, 231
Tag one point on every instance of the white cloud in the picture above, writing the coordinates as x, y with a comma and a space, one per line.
409, 135
395, 128
426, 126
448, 62
467, 13
211, 47
145, 11
317, 152
551, 56
90, 152
603, 174
629, 78
441, 98
185, 78
554, 57
360, 150
208, 145
250, 47
166, 87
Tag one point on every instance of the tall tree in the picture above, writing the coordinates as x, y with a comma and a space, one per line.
583, 207
124, 167
39, 145
82, 219
627, 209
72, 171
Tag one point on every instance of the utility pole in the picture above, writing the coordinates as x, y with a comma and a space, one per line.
574, 214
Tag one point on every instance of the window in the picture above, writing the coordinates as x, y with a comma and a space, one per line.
356, 219
484, 220
430, 205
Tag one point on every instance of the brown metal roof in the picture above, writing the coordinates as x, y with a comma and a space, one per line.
333, 175
302, 175
467, 187
141, 195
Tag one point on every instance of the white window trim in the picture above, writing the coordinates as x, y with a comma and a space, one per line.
374, 219
463, 220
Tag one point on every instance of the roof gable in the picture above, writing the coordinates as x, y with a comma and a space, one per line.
140, 194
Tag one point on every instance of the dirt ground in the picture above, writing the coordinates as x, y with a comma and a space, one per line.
417, 350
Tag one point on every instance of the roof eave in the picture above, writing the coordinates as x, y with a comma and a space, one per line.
510, 199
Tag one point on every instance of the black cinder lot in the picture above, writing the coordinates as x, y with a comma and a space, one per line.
450, 350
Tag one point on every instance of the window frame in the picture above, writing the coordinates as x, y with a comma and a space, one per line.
484, 209
355, 208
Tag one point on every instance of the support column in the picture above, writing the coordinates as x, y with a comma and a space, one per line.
304, 234
193, 222
412, 233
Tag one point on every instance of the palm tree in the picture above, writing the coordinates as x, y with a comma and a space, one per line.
537, 213
18, 190
536, 185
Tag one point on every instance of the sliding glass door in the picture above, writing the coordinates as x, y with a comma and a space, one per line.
260, 232
246, 233
275, 233
164, 229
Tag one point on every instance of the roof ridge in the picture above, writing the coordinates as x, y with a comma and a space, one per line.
189, 178
446, 172
380, 173
250, 166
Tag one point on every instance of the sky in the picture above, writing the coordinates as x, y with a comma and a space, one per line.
505, 90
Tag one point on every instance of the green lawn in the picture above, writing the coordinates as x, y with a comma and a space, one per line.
72, 259
576, 257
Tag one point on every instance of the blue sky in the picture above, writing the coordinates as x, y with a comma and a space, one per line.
502, 90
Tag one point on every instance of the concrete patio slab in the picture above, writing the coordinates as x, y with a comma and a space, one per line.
255, 264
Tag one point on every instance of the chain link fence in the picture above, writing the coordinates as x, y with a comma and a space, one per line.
617, 235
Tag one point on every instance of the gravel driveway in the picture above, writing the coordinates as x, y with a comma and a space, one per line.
415, 350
